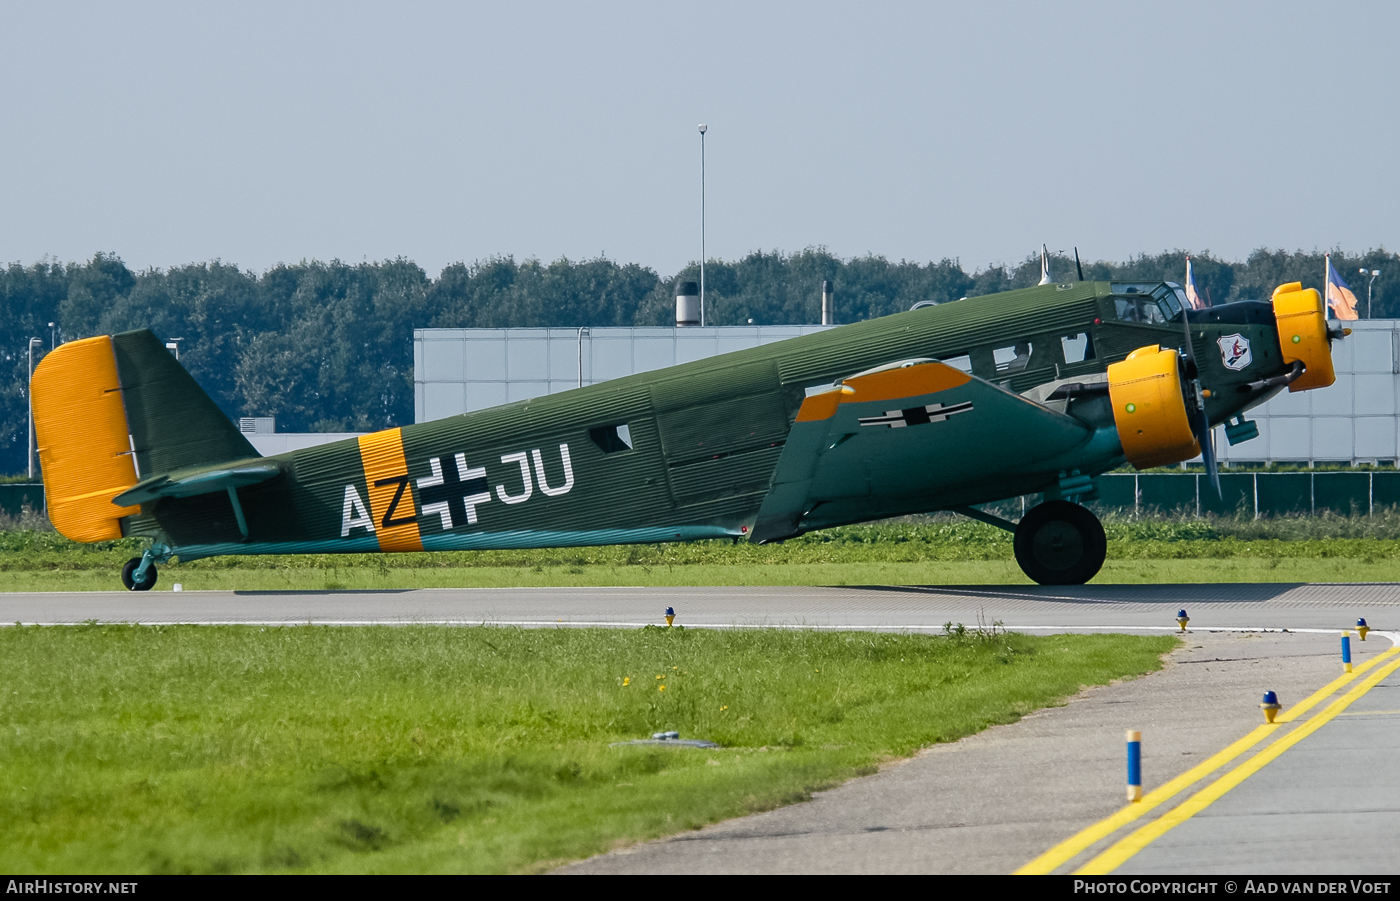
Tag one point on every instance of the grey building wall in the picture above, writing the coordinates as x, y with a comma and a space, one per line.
272, 443
460, 370
1353, 421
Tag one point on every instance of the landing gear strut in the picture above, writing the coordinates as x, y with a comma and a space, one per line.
1059, 543
130, 580
139, 573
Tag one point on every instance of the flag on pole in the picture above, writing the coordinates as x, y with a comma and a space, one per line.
1192, 295
1339, 297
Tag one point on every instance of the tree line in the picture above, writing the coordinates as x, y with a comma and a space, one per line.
328, 346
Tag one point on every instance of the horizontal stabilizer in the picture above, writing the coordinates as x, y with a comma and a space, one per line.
201, 481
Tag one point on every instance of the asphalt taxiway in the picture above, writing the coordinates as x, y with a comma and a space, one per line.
1279, 605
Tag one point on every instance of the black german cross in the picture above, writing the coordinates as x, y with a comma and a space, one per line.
898, 419
453, 492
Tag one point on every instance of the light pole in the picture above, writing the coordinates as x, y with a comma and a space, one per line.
53, 336
703, 129
29, 392
1374, 273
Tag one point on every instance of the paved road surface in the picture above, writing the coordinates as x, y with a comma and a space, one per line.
1329, 805
1283, 605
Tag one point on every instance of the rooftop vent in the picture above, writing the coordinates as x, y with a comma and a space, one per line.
687, 304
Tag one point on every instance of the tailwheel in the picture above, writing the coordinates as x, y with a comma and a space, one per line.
148, 579
1059, 543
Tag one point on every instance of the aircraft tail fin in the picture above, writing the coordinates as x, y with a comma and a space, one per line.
113, 410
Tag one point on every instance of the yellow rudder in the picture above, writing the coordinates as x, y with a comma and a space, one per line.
84, 443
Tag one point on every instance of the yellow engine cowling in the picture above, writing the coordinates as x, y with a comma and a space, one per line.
1302, 334
1149, 408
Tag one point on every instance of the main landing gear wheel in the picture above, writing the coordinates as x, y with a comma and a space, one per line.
129, 576
1059, 543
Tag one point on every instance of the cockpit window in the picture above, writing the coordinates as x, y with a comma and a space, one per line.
1151, 303
1139, 309
1168, 294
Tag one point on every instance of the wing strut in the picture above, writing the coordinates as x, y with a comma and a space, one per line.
238, 511
983, 516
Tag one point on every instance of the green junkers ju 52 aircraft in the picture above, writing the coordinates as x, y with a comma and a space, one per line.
941, 408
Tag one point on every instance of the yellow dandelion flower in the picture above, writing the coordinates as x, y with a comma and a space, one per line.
626, 680
660, 688
675, 667
724, 707
661, 677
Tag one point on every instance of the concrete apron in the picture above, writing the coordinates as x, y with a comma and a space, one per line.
994, 801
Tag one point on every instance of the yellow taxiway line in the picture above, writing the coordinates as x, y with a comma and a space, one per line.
1071, 847
1120, 851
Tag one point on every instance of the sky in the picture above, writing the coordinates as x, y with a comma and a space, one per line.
259, 133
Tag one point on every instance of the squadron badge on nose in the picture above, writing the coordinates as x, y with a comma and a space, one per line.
1234, 351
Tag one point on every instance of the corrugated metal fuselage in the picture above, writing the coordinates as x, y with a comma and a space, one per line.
695, 459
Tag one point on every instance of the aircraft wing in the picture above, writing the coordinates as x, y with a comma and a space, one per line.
919, 428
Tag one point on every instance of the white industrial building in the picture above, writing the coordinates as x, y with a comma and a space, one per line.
1354, 421
460, 370
456, 371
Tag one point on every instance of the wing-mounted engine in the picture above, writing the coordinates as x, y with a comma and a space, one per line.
1150, 407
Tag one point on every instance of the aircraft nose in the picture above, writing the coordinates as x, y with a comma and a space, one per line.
1303, 335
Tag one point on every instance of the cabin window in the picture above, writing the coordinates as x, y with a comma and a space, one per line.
962, 361
1013, 357
1077, 348
612, 438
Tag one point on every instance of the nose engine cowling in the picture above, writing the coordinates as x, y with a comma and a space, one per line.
1154, 394
1302, 335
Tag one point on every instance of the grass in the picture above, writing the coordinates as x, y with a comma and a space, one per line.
415, 749
931, 550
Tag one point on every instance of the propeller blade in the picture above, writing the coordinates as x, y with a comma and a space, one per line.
1200, 424
1208, 457
1186, 328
